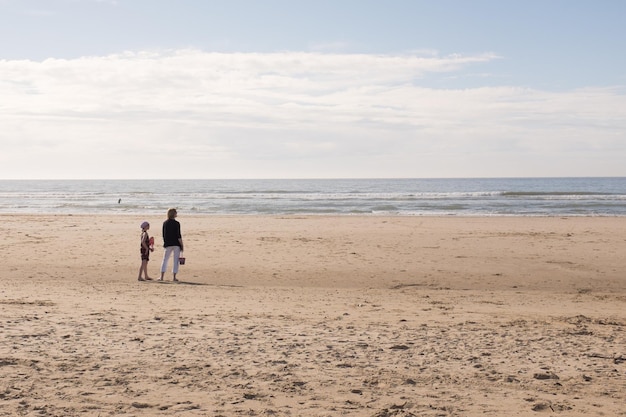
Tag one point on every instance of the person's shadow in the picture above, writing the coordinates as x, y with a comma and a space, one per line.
179, 282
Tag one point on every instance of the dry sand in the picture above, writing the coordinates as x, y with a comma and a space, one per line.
315, 316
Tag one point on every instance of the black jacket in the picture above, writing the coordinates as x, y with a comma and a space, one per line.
171, 233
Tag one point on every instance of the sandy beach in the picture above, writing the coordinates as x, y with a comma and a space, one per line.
315, 316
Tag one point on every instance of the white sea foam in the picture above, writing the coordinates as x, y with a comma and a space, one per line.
482, 197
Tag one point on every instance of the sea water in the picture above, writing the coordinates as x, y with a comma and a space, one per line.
401, 197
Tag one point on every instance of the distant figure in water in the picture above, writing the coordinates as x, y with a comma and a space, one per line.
119, 201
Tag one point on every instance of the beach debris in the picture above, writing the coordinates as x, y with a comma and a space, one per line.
545, 376
547, 406
399, 347
616, 359
400, 410
8, 362
542, 407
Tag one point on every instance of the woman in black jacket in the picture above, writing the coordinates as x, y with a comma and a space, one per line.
172, 242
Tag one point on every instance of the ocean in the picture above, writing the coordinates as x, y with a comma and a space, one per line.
395, 197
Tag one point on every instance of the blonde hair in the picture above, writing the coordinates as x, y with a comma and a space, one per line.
171, 213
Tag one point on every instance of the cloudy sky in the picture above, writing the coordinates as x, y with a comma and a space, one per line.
312, 88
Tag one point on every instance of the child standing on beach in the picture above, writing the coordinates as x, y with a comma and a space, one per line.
145, 252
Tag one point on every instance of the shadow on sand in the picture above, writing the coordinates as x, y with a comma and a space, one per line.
170, 282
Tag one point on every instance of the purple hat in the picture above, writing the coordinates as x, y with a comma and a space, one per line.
144, 225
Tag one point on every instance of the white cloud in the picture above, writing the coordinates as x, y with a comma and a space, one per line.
288, 114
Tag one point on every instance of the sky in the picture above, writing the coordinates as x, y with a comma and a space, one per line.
111, 89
